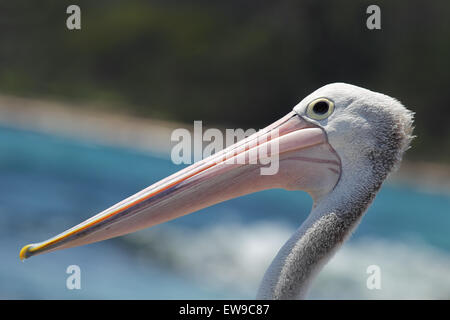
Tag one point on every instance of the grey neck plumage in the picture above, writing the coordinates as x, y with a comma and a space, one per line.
312, 245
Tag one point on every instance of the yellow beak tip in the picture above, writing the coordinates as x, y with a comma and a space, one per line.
25, 252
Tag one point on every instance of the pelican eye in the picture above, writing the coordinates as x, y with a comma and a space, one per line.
320, 109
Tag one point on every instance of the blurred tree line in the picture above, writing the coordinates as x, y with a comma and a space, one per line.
231, 63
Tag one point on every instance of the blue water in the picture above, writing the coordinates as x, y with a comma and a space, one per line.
50, 183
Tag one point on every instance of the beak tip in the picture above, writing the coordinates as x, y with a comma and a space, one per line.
25, 252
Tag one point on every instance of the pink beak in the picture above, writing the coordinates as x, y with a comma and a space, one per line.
299, 155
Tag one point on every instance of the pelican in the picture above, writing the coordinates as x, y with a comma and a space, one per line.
338, 144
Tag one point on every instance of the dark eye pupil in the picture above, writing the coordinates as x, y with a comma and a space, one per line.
321, 107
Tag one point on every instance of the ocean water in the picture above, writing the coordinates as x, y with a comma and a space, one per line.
50, 183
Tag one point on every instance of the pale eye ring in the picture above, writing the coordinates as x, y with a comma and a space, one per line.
320, 109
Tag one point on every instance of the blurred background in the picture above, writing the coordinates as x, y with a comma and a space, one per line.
86, 117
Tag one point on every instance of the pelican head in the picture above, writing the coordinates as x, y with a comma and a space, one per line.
368, 130
338, 144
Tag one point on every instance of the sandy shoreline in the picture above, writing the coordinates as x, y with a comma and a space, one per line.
154, 135
86, 123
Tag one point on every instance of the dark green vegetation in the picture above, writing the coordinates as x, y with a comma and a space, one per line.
209, 60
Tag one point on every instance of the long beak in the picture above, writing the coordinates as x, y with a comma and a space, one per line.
292, 153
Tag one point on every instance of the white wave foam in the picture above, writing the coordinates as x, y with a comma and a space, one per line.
233, 257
